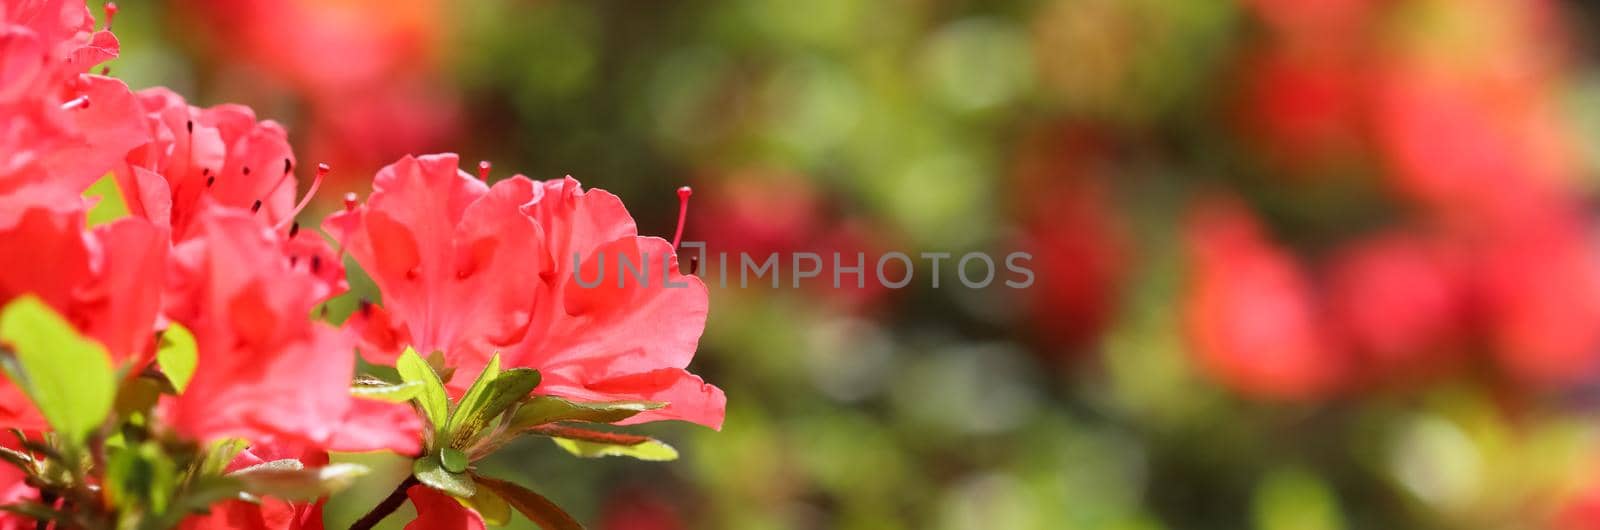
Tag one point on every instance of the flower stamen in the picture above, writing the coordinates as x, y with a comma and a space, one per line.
80, 102
322, 171
683, 214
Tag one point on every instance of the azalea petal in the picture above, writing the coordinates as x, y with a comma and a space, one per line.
372, 425
688, 397
464, 275
645, 324
109, 127
264, 372
438, 511
127, 294
269, 514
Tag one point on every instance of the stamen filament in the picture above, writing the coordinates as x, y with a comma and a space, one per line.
683, 213
322, 171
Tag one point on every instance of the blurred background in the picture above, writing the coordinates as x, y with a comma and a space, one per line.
1300, 264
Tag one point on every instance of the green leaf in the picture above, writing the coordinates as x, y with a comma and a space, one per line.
289, 479
433, 399
177, 355
549, 409
593, 444
112, 205
201, 493
477, 411
385, 391
69, 377
453, 460
650, 450
531, 505
430, 470
473, 399
220, 454
141, 476
490, 506
1295, 499
139, 395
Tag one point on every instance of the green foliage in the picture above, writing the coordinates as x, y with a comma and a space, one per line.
434, 400
177, 355
649, 450
550, 409
380, 390
68, 377
430, 470
453, 459
110, 205
1291, 499
141, 477
531, 505
490, 505
477, 409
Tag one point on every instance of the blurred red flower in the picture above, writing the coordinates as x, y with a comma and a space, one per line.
1541, 295
1401, 302
376, 99
760, 214
1066, 218
637, 508
1252, 313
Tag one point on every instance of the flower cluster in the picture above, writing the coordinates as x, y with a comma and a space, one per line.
164, 329
1485, 261
379, 97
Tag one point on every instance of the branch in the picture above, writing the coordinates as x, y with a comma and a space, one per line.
388, 506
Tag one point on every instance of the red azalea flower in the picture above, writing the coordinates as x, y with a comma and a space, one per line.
1540, 281
1067, 220
59, 126
470, 270
375, 100
1305, 110
1471, 147
59, 131
437, 510
46, 42
265, 372
376, 39
14, 488
1402, 303
1251, 312
221, 153
1079, 256
363, 129
107, 281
